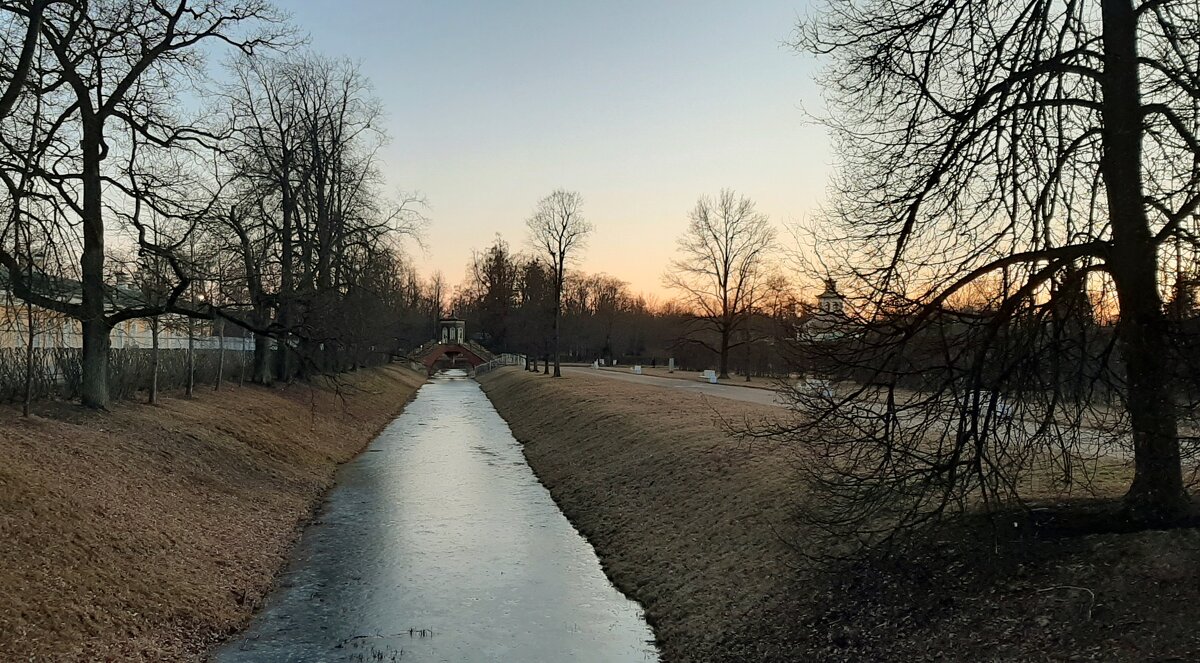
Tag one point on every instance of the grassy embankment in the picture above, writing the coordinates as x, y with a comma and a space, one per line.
151, 533
700, 530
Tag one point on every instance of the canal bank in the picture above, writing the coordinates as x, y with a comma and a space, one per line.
692, 527
151, 533
700, 529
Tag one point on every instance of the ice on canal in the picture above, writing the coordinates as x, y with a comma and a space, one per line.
439, 544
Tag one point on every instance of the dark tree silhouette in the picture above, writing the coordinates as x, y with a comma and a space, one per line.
112, 101
557, 230
722, 261
1040, 153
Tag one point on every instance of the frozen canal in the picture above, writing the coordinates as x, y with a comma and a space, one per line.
439, 544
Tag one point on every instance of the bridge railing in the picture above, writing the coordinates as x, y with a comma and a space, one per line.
423, 349
479, 350
506, 359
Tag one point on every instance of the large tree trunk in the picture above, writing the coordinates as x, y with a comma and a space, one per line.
93, 388
94, 383
1157, 491
723, 360
558, 288
262, 360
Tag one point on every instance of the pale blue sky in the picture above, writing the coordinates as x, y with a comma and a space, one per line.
641, 106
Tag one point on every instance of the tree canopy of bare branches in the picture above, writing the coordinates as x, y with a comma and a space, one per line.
1039, 152
111, 145
306, 206
558, 230
723, 259
262, 209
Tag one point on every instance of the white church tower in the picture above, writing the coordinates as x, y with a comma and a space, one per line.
828, 321
830, 301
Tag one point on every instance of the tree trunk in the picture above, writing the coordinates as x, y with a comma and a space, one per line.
191, 358
154, 325
308, 357
1157, 491
286, 288
93, 387
723, 361
557, 319
94, 363
263, 373
749, 358
220, 353
29, 324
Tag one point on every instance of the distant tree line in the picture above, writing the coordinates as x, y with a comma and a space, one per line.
508, 301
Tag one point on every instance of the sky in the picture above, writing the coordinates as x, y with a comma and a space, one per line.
639, 105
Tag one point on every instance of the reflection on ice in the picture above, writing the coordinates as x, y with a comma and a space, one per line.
443, 546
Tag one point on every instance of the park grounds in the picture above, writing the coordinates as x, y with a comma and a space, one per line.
702, 528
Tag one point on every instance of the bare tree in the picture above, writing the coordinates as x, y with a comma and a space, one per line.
293, 192
490, 291
16, 76
723, 257
116, 97
558, 230
310, 222
1047, 150
266, 149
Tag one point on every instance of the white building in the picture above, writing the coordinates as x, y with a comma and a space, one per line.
828, 321
56, 330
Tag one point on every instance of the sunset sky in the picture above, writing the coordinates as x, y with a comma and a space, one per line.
641, 106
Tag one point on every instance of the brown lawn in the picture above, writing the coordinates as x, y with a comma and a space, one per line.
151, 533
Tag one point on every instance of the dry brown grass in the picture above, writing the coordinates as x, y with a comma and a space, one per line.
150, 533
682, 520
693, 525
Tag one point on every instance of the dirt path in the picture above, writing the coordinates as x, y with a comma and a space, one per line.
758, 396
151, 533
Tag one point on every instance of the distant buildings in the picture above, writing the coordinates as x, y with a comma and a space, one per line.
452, 330
828, 320
55, 330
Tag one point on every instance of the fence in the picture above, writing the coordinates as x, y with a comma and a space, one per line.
506, 359
57, 331
57, 374
179, 341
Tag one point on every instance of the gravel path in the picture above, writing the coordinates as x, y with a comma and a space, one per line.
731, 392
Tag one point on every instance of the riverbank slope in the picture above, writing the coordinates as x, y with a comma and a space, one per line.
681, 518
700, 529
151, 533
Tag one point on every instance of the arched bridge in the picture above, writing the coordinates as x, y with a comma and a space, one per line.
439, 356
